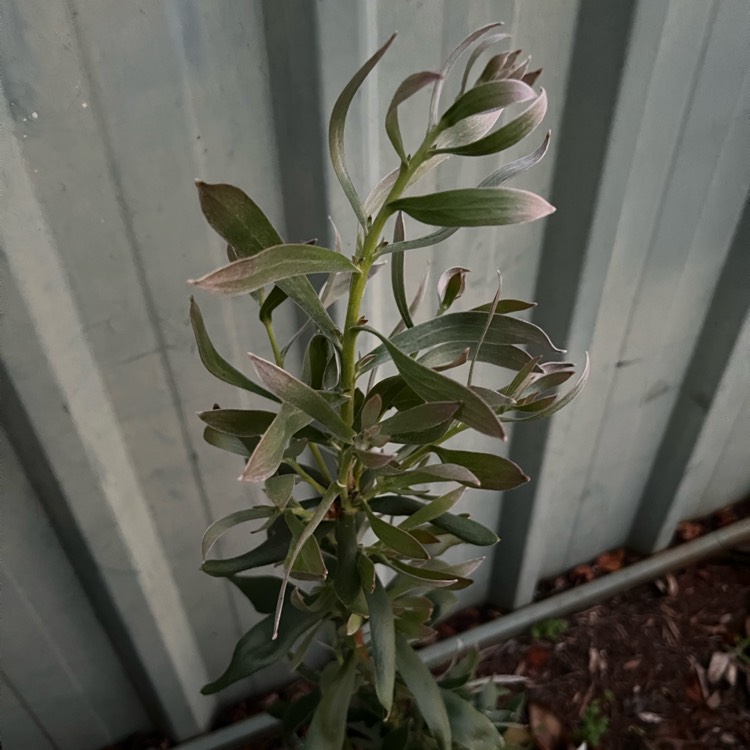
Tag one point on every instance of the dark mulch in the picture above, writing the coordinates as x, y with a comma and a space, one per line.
646, 657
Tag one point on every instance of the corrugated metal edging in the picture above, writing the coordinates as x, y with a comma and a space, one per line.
110, 110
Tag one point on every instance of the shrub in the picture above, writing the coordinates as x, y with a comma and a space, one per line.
351, 524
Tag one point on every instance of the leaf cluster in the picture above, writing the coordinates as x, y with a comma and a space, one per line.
361, 485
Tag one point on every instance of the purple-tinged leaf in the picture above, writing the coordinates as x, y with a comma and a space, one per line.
337, 126
486, 98
295, 392
493, 472
414, 83
271, 265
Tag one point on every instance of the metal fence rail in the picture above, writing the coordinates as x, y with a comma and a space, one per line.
108, 112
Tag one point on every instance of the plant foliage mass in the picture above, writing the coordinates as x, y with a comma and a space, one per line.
361, 483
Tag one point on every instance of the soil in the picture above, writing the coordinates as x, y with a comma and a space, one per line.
666, 664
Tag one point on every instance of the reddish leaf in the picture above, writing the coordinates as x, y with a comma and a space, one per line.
545, 727
611, 561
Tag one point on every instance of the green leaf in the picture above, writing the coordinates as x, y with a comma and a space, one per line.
336, 131
493, 472
269, 452
498, 177
279, 489
305, 560
316, 359
272, 550
346, 581
461, 672
382, 635
477, 52
414, 83
500, 355
301, 291
371, 411
560, 401
475, 207
271, 265
275, 297
450, 286
250, 423
257, 650
397, 539
509, 134
241, 446
485, 98
428, 474
397, 274
366, 571
214, 362
461, 527
465, 329
427, 576
217, 528
328, 727
434, 509
295, 392
432, 386
470, 728
236, 218
301, 539
448, 66
425, 690
419, 418
262, 591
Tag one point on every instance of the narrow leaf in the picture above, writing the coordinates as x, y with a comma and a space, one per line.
476, 53
464, 528
428, 576
214, 362
501, 175
509, 134
256, 650
301, 292
414, 83
237, 218
490, 317
383, 644
432, 386
271, 265
470, 728
419, 418
366, 571
269, 452
346, 581
240, 446
493, 472
217, 528
308, 562
484, 98
397, 539
501, 355
475, 207
328, 727
320, 513
429, 474
336, 131
279, 489
425, 690
251, 422
433, 509
397, 274
465, 329
295, 392
262, 591
448, 66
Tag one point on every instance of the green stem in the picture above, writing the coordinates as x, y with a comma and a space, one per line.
299, 470
277, 355
316, 454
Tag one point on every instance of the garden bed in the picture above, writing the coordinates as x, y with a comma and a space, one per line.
663, 665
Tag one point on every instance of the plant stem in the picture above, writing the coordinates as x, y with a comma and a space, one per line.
320, 462
312, 482
277, 355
